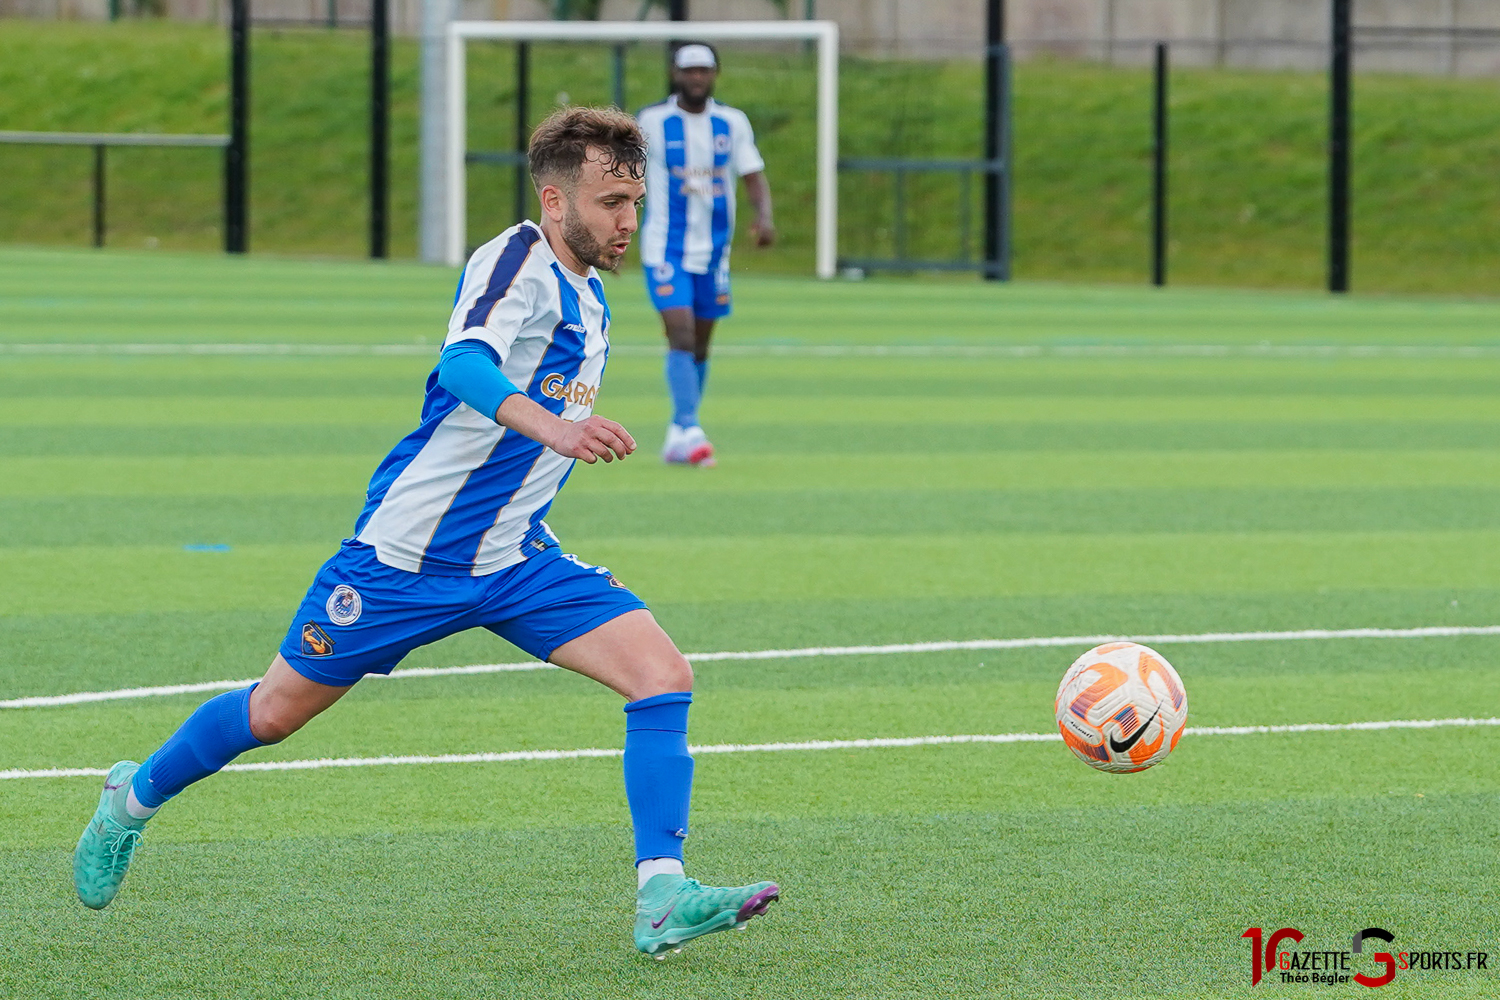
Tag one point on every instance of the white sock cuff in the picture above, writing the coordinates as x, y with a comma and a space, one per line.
134, 809
656, 866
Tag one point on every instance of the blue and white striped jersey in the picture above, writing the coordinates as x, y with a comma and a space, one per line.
461, 495
692, 163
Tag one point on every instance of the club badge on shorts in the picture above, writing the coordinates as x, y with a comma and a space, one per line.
344, 605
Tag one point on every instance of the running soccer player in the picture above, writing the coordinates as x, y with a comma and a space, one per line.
696, 147
451, 538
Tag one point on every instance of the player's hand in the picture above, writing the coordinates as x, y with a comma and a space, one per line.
592, 439
764, 234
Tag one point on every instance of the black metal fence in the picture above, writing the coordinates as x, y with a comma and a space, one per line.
101, 141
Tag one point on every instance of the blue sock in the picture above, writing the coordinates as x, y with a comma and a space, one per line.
658, 773
682, 380
702, 367
214, 735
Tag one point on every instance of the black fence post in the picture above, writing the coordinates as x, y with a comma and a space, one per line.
237, 153
523, 133
1159, 171
677, 10
380, 123
99, 196
1338, 147
996, 145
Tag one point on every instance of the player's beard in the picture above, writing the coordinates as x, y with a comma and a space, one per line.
585, 246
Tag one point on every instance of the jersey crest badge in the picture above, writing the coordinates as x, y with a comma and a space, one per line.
344, 605
315, 641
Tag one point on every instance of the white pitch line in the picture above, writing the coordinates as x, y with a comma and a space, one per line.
816, 350
879, 743
1035, 642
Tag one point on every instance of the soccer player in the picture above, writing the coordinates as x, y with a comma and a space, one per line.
451, 538
696, 147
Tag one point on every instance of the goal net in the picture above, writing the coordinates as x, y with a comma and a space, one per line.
491, 89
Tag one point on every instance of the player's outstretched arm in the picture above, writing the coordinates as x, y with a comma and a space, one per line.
589, 439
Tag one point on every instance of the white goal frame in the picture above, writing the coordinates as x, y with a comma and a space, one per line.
824, 33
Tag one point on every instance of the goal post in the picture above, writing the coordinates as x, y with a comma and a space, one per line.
825, 35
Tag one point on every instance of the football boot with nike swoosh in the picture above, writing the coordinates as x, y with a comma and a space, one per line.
671, 910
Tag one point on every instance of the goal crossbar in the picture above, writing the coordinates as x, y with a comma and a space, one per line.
824, 33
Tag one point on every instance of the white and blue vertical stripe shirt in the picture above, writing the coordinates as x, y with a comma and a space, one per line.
692, 163
461, 495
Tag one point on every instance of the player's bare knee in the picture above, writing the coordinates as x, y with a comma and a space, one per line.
679, 674
663, 676
679, 327
273, 724
273, 718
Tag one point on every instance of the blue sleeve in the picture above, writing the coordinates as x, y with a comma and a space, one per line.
470, 370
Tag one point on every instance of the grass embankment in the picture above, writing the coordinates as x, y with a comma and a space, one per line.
1247, 183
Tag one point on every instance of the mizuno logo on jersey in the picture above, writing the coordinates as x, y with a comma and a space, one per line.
554, 386
574, 327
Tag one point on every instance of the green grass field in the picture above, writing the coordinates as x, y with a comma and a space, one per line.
895, 468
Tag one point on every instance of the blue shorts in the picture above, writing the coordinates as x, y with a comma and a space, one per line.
673, 288
361, 616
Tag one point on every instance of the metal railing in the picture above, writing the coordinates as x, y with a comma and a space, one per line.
899, 168
995, 169
100, 141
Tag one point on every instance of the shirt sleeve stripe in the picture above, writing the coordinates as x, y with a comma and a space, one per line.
507, 266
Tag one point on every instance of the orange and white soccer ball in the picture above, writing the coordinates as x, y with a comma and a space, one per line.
1121, 707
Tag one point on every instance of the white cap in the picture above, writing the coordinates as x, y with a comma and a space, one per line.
694, 56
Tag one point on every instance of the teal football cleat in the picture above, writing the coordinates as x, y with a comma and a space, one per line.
108, 842
671, 910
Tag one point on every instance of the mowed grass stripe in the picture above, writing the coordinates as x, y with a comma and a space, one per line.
265, 518
131, 297
768, 409
129, 579
740, 440
347, 475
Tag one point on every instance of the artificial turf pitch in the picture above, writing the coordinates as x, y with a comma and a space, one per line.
1112, 482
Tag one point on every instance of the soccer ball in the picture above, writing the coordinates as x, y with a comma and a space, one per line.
1121, 707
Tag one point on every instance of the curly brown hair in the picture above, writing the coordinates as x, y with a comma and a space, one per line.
561, 143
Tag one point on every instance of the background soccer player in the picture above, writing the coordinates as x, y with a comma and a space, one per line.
451, 538
696, 147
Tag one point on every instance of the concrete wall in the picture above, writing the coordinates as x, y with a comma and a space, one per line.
1269, 34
